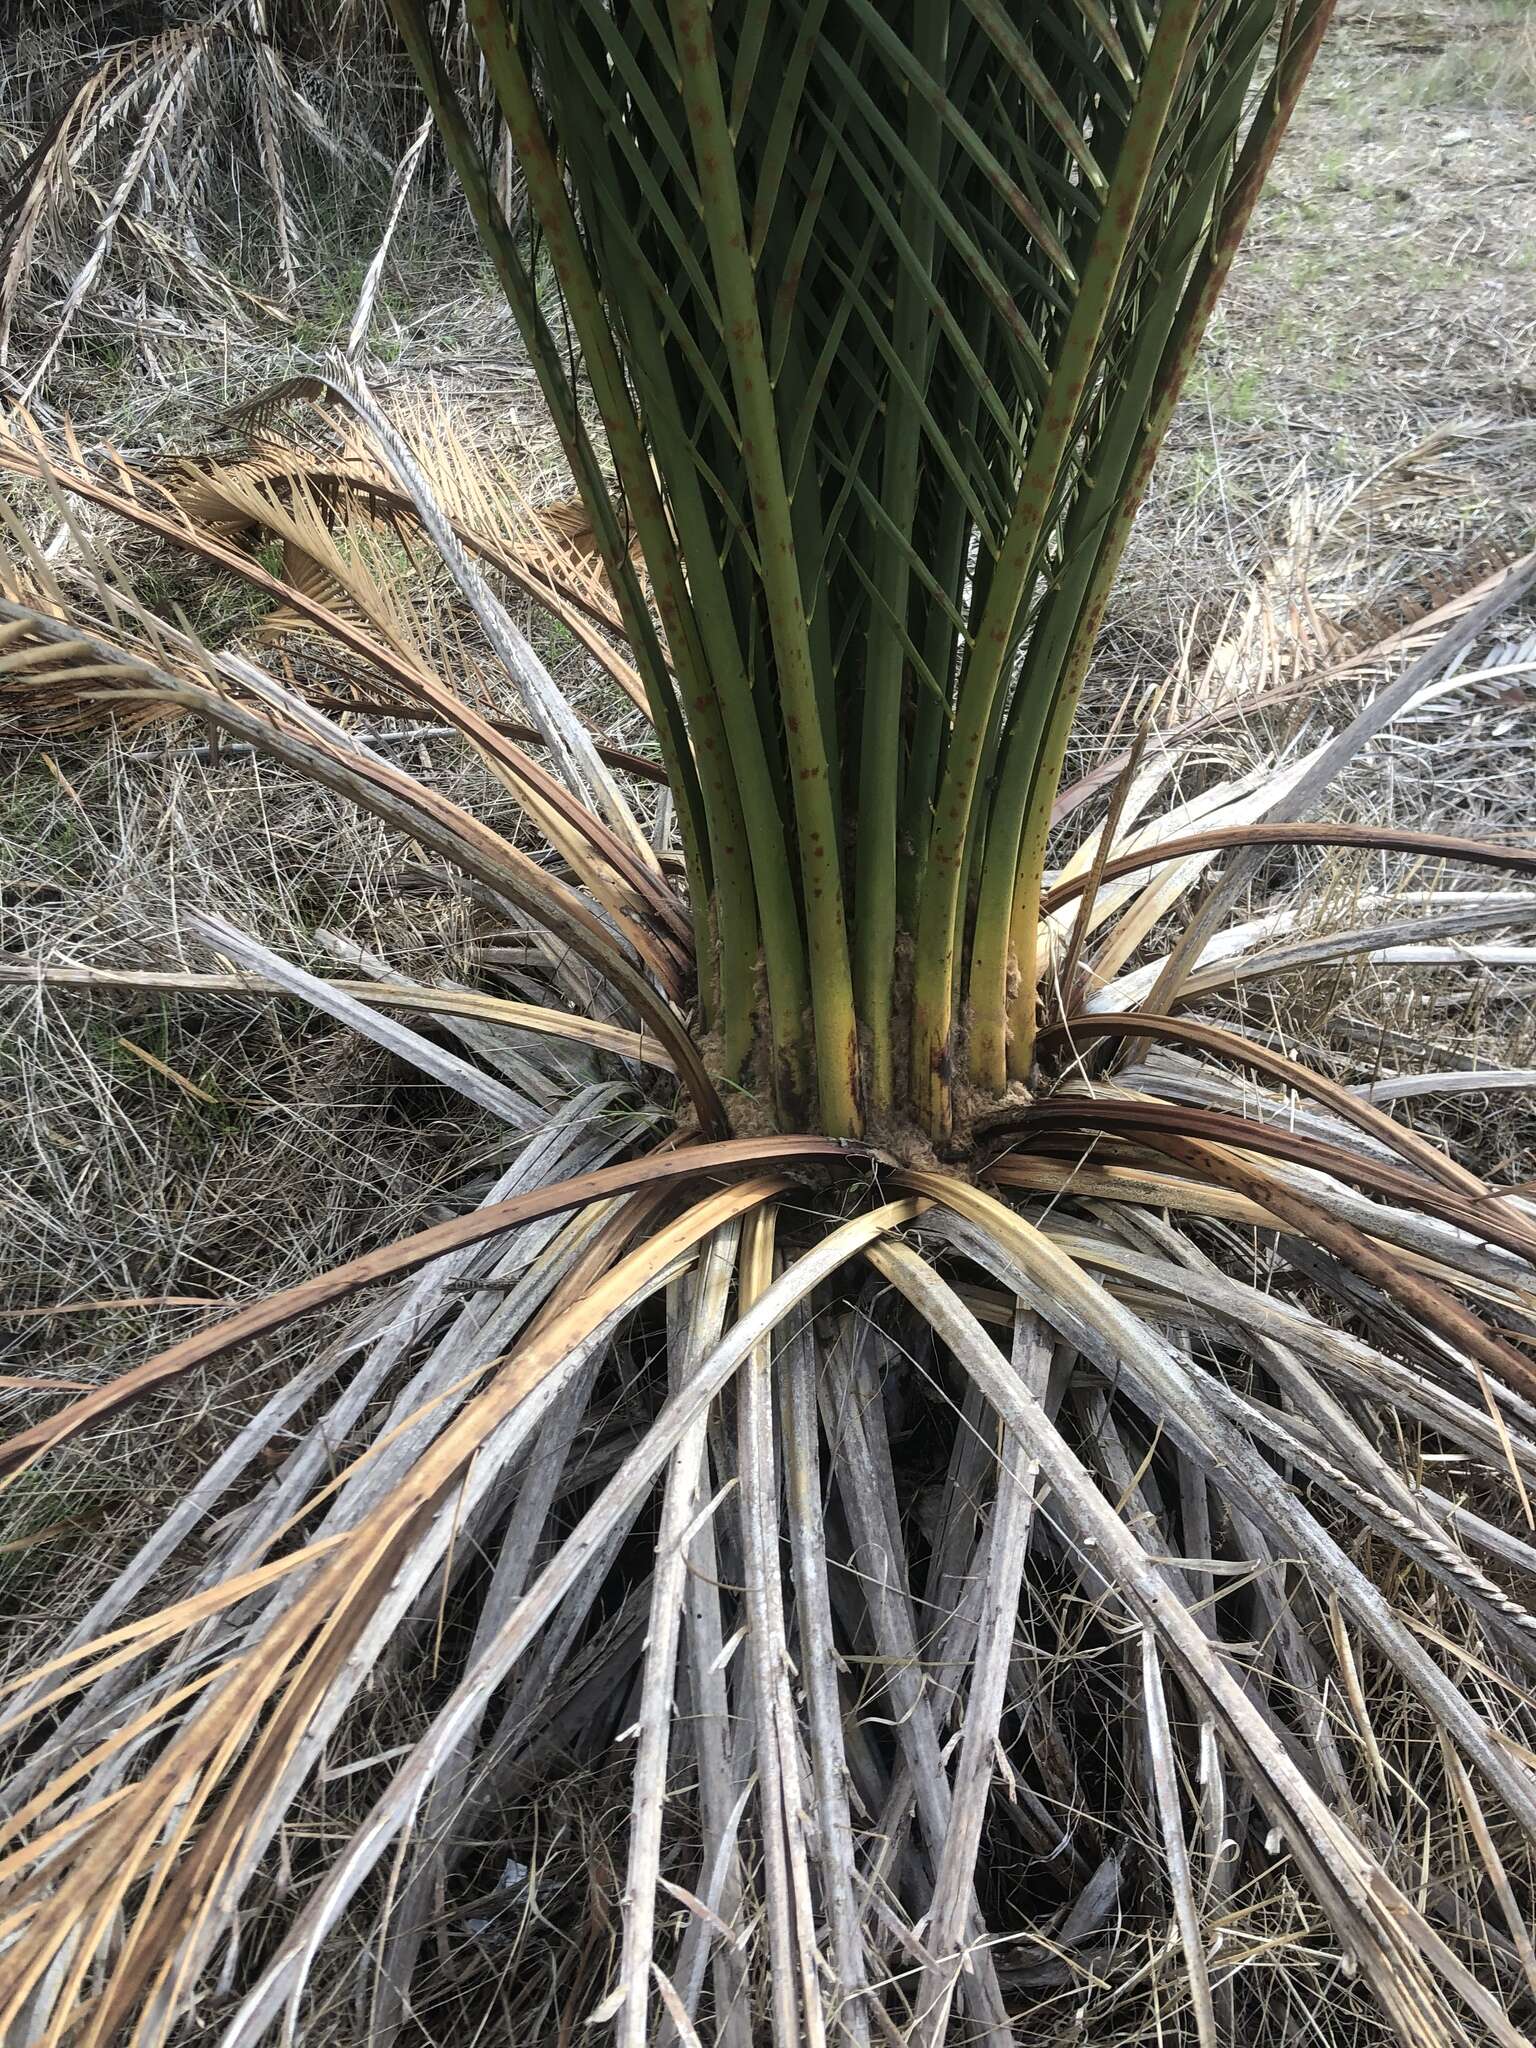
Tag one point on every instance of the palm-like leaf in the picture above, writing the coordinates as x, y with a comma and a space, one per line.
884, 311
1208, 1447
893, 304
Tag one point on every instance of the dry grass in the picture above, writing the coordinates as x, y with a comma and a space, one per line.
1359, 444
1381, 319
1362, 438
244, 244
158, 1148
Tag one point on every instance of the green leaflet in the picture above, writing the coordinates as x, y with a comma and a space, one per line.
884, 301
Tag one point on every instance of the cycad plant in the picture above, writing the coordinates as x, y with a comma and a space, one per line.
967, 1556
884, 313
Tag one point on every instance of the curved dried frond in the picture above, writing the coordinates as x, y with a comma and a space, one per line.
1435, 846
621, 871
1127, 1439
428, 1244
303, 738
158, 69
438, 1002
132, 165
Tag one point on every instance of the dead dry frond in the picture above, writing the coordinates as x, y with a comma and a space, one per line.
729, 1591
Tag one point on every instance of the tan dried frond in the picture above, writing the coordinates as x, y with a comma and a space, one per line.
171, 1850
102, 98
546, 552
543, 543
373, 629
147, 82
329, 548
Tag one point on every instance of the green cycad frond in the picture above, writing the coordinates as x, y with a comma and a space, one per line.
891, 303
